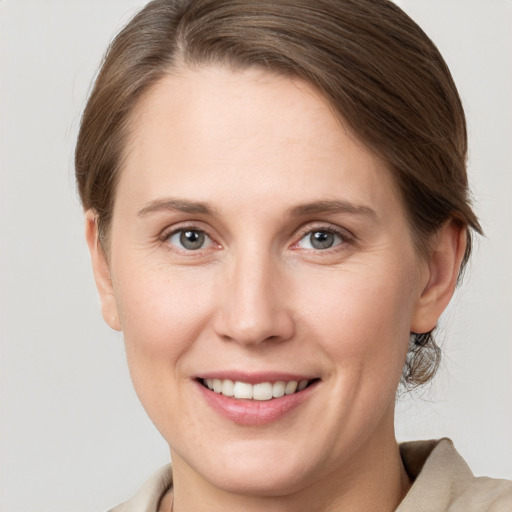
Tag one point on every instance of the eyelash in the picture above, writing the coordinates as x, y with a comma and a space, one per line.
345, 238
167, 235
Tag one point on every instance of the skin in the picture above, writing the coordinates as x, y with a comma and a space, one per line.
259, 297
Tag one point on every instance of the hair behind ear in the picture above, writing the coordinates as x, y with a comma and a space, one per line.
444, 262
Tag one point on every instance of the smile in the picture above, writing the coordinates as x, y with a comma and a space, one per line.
262, 391
255, 399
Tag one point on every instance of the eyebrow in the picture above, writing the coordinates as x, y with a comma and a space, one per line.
334, 206
176, 205
313, 208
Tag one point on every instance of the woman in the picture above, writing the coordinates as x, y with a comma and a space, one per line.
277, 212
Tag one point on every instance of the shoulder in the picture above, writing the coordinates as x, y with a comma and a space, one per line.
149, 495
444, 482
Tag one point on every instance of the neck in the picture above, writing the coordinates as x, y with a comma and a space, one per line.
373, 479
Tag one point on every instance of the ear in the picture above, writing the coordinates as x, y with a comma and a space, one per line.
101, 270
442, 271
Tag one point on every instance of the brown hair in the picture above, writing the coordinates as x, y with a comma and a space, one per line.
381, 73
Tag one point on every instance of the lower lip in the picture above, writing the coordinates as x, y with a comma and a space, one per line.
255, 412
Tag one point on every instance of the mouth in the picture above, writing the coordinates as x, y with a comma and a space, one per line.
256, 399
261, 391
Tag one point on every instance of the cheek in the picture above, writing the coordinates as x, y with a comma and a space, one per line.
363, 317
162, 314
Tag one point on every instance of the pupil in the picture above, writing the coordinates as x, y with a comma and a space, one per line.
192, 239
322, 239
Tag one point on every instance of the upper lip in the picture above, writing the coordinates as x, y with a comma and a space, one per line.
254, 377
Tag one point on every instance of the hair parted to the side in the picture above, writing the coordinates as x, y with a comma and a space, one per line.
381, 73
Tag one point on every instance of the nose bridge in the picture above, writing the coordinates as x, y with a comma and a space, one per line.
254, 307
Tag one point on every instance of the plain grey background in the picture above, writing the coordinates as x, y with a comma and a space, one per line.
73, 436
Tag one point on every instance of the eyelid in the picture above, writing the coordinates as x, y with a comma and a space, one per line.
346, 236
170, 231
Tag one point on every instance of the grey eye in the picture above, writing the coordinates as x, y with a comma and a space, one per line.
189, 239
320, 239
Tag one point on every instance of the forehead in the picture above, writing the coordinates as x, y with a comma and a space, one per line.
212, 131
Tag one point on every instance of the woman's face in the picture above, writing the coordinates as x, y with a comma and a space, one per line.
256, 244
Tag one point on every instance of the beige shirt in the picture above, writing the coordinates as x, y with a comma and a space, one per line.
443, 482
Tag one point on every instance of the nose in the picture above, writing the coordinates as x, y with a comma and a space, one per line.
252, 302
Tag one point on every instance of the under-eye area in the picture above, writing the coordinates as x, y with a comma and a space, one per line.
259, 391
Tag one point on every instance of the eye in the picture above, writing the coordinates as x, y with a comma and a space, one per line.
190, 239
320, 239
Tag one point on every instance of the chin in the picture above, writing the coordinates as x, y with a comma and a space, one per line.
260, 479
255, 467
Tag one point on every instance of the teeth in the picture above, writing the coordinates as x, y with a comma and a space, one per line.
290, 388
228, 387
217, 385
242, 390
301, 386
278, 389
261, 391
